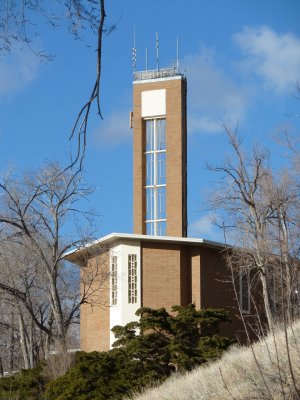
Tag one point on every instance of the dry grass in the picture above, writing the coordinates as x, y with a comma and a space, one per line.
259, 372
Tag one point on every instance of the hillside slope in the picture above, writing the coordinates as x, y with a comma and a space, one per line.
270, 369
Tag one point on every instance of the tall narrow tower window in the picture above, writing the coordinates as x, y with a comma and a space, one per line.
155, 176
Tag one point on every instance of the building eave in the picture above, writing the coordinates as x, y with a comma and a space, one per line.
77, 256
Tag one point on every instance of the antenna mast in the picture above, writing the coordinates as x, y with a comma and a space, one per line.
177, 53
157, 53
134, 51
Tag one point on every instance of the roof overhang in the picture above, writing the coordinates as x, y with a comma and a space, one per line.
77, 256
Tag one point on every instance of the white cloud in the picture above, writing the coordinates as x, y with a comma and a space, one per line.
16, 71
213, 96
216, 96
202, 123
204, 228
115, 129
274, 57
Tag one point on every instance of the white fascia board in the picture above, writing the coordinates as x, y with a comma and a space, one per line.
121, 237
174, 239
169, 78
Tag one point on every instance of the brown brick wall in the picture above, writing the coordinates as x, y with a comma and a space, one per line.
195, 276
138, 163
178, 274
94, 317
161, 272
185, 277
217, 289
217, 292
175, 156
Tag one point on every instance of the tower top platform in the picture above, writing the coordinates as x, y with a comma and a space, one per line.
162, 73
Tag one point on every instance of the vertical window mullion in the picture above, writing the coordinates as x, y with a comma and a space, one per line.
155, 175
155, 155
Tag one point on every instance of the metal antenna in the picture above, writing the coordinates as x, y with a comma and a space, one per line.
146, 59
157, 53
134, 51
177, 53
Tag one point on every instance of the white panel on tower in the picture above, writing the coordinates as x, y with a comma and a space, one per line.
153, 103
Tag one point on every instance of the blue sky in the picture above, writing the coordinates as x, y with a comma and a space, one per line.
241, 59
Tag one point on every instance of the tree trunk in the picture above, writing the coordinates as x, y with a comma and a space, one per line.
12, 343
23, 342
266, 299
60, 339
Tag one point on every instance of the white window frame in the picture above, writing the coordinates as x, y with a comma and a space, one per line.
114, 280
242, 274
155, 186
132, 278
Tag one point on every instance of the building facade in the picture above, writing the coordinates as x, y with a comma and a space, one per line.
157, 265
155, 272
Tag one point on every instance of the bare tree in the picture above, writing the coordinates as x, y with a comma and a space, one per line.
9, 342
259, 213
40, 286
35, 213
21, 342
18, 25
20, 21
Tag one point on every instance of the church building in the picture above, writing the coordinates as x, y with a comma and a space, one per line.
157, 265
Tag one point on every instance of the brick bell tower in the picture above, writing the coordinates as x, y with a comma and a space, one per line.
160, 153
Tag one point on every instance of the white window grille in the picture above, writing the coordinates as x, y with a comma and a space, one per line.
114, 280
132, 278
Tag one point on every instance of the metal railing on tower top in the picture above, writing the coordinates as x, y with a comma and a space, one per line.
156, 73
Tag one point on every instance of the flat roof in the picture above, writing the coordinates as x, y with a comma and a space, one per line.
76, 254
161, 74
